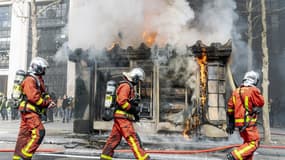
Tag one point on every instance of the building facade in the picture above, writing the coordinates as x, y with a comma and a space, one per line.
5, 35
16, 41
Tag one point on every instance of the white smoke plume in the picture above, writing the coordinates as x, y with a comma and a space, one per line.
100, 23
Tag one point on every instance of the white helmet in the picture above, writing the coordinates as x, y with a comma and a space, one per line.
250, 78
38, 66
135, 75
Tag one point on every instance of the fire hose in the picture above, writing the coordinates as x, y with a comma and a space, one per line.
201, 150
167, 151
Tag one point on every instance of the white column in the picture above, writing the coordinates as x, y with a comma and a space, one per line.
71, 78
71, 66
19, 41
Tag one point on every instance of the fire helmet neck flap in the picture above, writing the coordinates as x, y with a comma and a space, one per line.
250, 78
38, 66
135, 75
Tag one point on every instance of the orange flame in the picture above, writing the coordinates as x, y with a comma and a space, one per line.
186, 130
202, 61
149, 38
112, 46
195, 119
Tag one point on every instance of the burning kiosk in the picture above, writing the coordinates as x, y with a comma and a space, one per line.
168, 104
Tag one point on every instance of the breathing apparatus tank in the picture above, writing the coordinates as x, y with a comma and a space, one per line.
110, 100
17, 89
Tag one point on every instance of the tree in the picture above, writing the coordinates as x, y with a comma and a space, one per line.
249, 33
265, 69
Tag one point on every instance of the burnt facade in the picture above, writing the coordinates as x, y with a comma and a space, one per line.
172, 98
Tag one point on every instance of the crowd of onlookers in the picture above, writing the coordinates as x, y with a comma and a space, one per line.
8, 108
63, 110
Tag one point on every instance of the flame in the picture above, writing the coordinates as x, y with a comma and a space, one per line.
149, 38
202, 61
191, 124
112, 46
196, 117
186, 130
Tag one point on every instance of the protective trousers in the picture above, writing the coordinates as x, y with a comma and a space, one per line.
251, 142
123, 128
31, 134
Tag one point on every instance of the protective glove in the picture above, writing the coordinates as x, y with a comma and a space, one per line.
134, 110
47, 100
256, 110
231, 125
135, 101
137, 117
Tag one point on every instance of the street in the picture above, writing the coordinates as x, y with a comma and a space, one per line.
61, 143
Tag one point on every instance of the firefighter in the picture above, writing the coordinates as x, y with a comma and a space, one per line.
125, 114
243, 107
32, 131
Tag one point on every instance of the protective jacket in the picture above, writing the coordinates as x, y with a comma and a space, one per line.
36, 99
124, 92
123, 125
32, 131
241, 106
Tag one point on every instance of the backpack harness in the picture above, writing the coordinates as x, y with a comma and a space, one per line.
246, 114
25, 99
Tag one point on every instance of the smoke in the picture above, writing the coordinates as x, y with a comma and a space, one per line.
100, 23
62, 53
216, 21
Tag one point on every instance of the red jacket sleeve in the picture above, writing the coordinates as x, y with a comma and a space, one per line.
257, 98
231, 101
123, 94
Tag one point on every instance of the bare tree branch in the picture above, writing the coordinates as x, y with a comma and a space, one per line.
48, 6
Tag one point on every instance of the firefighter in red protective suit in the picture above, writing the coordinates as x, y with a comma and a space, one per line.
125, 114
243, 106
32, 131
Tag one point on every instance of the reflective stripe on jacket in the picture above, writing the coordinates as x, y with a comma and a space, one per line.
125, 93
241, 104
124, 114
24, 106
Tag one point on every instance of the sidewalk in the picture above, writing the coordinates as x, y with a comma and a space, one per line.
57, 135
